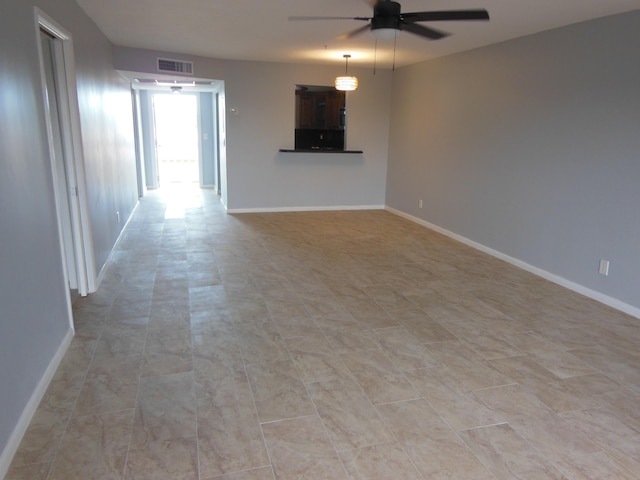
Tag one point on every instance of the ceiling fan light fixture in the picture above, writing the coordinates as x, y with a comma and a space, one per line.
385, 33
346, 83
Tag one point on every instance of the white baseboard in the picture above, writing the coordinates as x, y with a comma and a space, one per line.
305, 209
32, 405
576, 287
103, 269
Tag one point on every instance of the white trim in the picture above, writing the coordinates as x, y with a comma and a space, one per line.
139, 144
149, 131
73, 143
304, 209
53, 29
32, 405
103, 270
55, 184
576, 287
159, 88
199, 143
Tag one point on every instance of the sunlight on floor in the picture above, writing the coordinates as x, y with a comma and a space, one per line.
180, 197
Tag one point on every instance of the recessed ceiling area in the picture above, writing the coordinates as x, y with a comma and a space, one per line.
260, 31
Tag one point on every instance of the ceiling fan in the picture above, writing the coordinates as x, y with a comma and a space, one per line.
388, 20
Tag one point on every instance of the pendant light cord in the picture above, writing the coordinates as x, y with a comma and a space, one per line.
375, 55
395, 41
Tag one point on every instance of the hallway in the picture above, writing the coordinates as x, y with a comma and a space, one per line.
331, 345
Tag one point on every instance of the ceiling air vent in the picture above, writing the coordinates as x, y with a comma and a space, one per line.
175, 66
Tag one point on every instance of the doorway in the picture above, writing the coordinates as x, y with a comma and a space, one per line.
50, 50
176, 132
62, 119
206, 99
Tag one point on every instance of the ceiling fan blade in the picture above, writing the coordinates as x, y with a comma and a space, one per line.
445, 15
426, 32
296, 18
353, 33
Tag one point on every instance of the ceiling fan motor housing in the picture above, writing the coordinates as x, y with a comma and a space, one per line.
388, 20
386, 14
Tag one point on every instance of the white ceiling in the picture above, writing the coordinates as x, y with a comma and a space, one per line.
260, 30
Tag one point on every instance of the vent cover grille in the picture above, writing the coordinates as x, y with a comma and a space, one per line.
175, 66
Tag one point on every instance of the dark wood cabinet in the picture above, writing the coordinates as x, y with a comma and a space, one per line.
304, 110
335, 110
320, 110
320, 118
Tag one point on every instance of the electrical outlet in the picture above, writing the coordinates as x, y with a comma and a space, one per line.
420, 203
604, 267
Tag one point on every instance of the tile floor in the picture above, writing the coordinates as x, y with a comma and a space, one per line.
331, 345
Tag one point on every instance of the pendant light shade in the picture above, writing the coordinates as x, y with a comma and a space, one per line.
346, 83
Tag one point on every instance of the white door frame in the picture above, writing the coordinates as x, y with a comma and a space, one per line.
147, 116
64, 67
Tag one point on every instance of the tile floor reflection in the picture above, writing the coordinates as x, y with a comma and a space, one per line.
331, 345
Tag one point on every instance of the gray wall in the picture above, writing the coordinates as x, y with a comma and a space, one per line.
148, 139
530, 147
144, 61
33, 315
262, 94
108, 136
260, 177
208, 140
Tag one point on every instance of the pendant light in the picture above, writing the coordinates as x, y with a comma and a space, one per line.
346, 83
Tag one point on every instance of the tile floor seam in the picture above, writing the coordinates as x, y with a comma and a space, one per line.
135, 412
71, 413
253, 399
